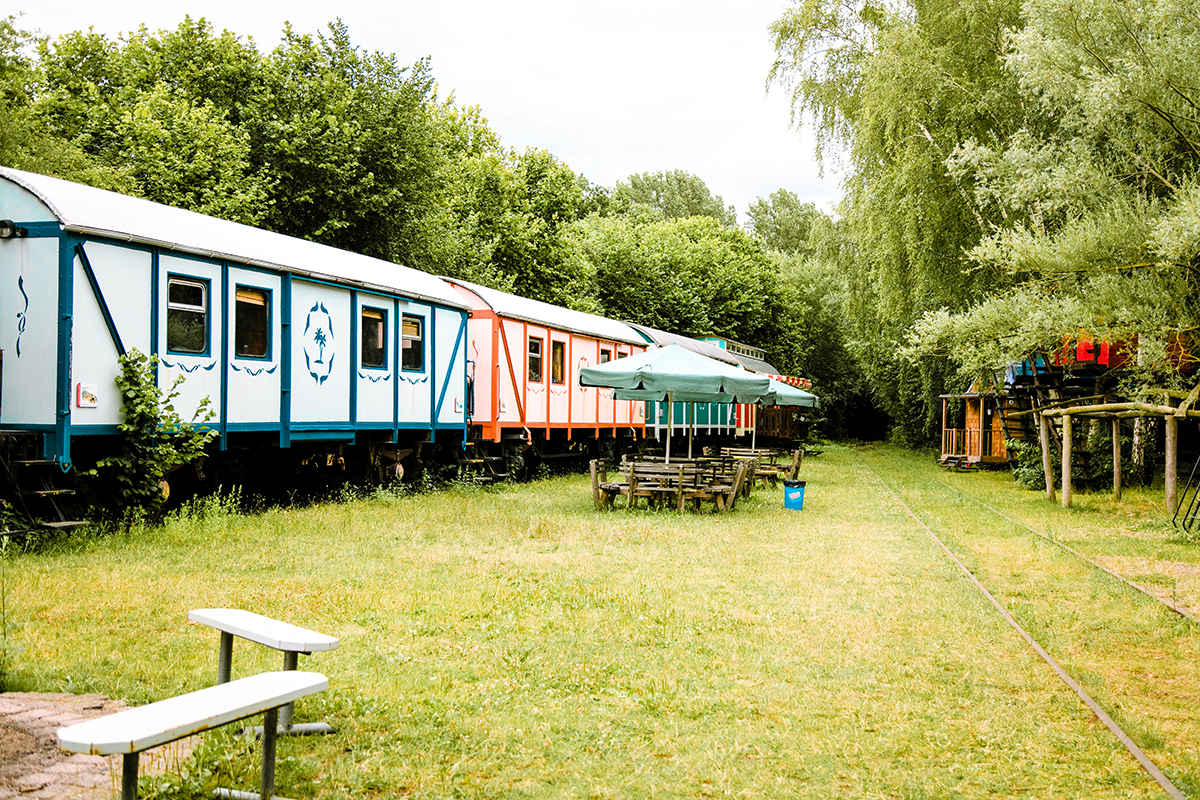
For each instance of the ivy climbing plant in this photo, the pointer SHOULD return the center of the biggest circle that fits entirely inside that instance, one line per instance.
(155, 440)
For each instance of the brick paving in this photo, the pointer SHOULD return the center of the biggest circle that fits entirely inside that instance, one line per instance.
(33, 768)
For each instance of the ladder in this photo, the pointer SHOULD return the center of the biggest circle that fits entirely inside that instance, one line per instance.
(1190, 508)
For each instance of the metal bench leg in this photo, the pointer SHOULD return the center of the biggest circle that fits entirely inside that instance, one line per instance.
(266, 786)
(270, 723)
(129, 775)
(225, 658)
(290, 660)
(286, 713)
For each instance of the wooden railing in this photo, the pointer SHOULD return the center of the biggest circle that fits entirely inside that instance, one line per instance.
(966, 442)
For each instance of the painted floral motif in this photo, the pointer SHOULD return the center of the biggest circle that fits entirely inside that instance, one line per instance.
(21, 314)
(319, 344)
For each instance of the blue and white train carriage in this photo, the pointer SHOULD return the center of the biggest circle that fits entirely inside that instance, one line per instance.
(291, 341)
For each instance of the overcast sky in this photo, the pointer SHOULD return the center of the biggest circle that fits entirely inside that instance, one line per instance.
(610, 88)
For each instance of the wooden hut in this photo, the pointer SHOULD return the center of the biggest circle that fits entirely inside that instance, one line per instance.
(973, 429)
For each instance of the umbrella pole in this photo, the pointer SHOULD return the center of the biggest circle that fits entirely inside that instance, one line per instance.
(670, 410)
(753, 427)
(691, 430)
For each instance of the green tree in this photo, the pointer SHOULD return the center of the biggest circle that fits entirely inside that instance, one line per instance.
(1098, 192)
(136, 119)
(691, 276)
(350, 147)
(510, 215)
(189, 156)
(900, 85)
(675, 195)
(25, 140)
(814, 344)
(782, 222)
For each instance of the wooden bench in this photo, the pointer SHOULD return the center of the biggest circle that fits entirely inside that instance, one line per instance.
(773, 463)
(137, 729)
(292, 640)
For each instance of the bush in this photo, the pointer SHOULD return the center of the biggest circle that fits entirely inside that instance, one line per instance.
(155, 440)
(1028, 471)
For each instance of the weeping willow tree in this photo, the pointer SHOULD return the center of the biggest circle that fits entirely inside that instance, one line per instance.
(1100, 203)
(898, 86)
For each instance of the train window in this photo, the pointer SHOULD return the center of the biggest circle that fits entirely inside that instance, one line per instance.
(412, 330)
(252, 323)
(605, 355)
(187, 315)
(535, 359)
(558, 362)
(374, 337)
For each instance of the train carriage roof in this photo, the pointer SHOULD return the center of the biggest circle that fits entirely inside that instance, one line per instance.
(664, 338)
(755, 364)
(97, 212)
(539, 313)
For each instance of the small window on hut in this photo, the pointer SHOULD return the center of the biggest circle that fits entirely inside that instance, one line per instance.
(558, 362)
(605, 355)
(374, 337)
(535, 359)
(412, 342)
(187, 315)
(251, 323)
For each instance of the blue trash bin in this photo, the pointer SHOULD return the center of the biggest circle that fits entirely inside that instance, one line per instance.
(793, 495)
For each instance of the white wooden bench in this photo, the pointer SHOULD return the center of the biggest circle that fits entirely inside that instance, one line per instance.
(292, 640)
(137, 729)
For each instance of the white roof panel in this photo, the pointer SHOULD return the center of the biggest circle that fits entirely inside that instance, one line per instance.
(84, 209)
(522, 308)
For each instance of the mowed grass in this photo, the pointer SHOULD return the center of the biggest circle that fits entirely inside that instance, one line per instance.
(1134, 656)
(515, 642)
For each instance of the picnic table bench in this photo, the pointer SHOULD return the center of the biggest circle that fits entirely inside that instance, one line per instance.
(681, 483)
(773, 463)
(291, 639)
(137, 729)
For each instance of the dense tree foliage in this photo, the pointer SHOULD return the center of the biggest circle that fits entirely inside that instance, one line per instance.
(25, 141)
(783, 222)
(675, 195)
(322, 140)
(1023, 173)
(691, 276)
(1097, 191)
(900, 85)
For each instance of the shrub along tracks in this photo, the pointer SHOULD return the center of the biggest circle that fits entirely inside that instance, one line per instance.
(1089, 614)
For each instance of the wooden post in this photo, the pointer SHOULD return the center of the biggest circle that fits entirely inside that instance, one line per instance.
(1172, 455)
(1067, 423)
(594, 468)
(944, 431)
(1047, 464)
(1116, 437)
(1142, 434)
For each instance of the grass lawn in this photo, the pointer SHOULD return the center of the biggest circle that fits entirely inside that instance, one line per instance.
(515, 642)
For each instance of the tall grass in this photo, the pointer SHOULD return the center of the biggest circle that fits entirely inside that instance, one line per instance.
(516, 642)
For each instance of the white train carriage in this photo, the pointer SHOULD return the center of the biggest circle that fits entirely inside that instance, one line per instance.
(524, 358)
(290, 341)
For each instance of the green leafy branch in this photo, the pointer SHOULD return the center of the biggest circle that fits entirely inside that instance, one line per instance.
(155, 439)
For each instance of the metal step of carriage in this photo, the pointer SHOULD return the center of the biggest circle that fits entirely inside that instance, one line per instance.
(32, 480)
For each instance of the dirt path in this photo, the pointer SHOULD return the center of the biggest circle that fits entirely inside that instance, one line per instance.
(32, 766)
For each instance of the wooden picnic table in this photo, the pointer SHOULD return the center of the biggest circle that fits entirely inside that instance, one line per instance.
(773, 463)
(681, 483)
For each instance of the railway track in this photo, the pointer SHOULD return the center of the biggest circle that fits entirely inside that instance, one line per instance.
(948, 540)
